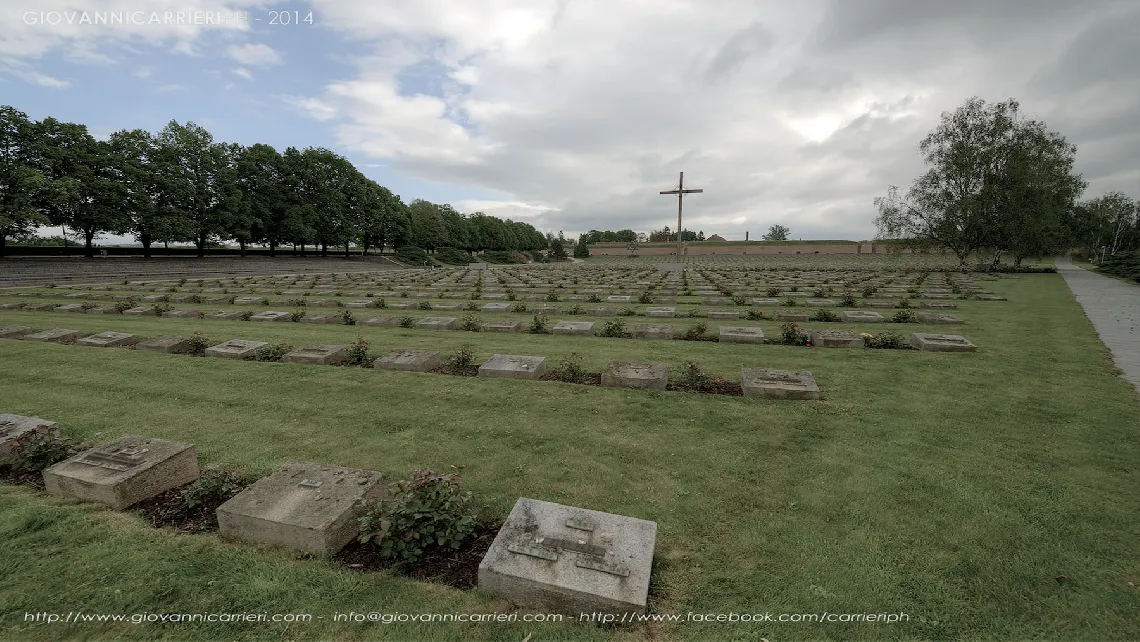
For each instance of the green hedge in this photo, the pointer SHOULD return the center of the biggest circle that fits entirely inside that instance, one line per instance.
(1125, 265)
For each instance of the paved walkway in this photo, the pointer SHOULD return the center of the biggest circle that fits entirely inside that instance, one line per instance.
(1114, 308)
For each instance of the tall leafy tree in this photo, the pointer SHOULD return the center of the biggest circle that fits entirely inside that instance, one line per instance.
(777, 233)
(197, 179)
(21, 180)
(260, 176)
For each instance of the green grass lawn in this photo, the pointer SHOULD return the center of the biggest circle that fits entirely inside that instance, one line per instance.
(985, 495)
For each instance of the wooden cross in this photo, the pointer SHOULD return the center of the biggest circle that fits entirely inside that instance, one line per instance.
(680, 192)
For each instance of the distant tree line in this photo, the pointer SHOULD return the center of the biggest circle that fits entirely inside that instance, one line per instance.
(1003, 183)
(180, 185)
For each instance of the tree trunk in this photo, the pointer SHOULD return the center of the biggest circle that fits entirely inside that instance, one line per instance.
(200, 241)
(996, 262)
(1017, 261)
(273, 249)
(346, 249)
(166, 244)
(3, 244)
(324, 248)
(146, 241)
(88, 248)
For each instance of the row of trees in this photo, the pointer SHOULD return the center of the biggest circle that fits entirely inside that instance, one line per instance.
(1001, 182)
(181, 185)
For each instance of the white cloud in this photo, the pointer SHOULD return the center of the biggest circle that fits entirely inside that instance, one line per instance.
(170, 87)
(254, 55)
(244, 73)
(143, 73)
(312, 107)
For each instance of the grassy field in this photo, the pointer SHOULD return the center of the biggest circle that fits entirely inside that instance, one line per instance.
(985, 495)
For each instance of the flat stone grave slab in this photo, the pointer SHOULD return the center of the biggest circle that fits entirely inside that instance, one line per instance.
(765, 302)
(941, 342)
(512, 366)
(363, 303)
(77, 295)
(124, 472)
(792, 315)
(938, 305)
(476, 266)
(168, 345)
(794, 295)
(272, 315)
(504, 325)
(106, 339)
(154, 298)
(40, 307)
(107, 309)
(643, 376)
(301, 506)
(15, 332)
(938, 319)
(836, 339)
(937, 296)
(249, 300)
(860, 316)
(11, 306)
(577, 328)
(562, 559)
(722, 314)
(322, 318)
(235, 349)
(404, 305)
(714, 300)
(320, 354)
(495, 297)
(495, 307)
(619, 298)
(384, 321)
(778, 384)
(71, 307)
(652, 331)
(603, 312)
(447, 306)
(821, 303)
(438, 323)
(548, 308)
(141, 311)
(55, 335)
(182, 314)
(322, 303)
(409, 360)
(224, 315)
(881, 304)
(16, 430)
(741, 334)
(660, 312)
(989, 297)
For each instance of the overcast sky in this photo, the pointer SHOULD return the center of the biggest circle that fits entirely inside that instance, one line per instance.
(574, 114)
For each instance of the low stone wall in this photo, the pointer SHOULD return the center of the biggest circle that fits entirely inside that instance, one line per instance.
(621, 249)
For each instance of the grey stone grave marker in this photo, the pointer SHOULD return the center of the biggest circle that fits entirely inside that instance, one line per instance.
(55, 335)
(778, 384)
(438, 323)
(741, 334)
(15, 332)
(272, 315)
(562, 559)
(301, 506)
(511, 366)
(836, 339)
(124, 472)
(941, 342)
(106, 339)
(168, 345)
(408, 360)
(860, 316)
(235, 349)
(645, 376)
(577, 328)
(320, 354)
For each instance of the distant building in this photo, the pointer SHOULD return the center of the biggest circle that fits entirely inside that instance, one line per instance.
(716, 237)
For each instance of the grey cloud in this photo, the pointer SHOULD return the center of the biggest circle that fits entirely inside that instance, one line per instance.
(750, 41)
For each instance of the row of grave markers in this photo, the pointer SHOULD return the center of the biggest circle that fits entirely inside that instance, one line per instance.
(547, 556)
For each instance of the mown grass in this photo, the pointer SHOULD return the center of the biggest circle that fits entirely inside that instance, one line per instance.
(986, 495)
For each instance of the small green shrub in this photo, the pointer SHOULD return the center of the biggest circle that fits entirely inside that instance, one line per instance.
(825, 315)
(213, 486)
(462, 362)
(594, 298)
(847, 300)
(245, 316)
(613, 328)
(626, 312)
(359, 354)
(196, 345)
(470, 323)
(297, 315)
(123, 306)
(471, 307)
(889, 340)
(404, 294)
(739, 301)
(646, 297)
(406, 322)
(569, 369)
(576, 310)
(428, 512)
(904, 316)
(695, 332)
(754, 315)
(869, 291)
(904, 303)
(159, 308)
(379, 302)
(424, 305)
(33, 452)
(518, 307)
(552, 297)
(272, 352)
(791, 302)
(540, 324)
(693, 378)
(772, 292)
(793, 336)
(346, 318)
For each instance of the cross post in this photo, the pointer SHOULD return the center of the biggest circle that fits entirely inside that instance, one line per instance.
(680, 192)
